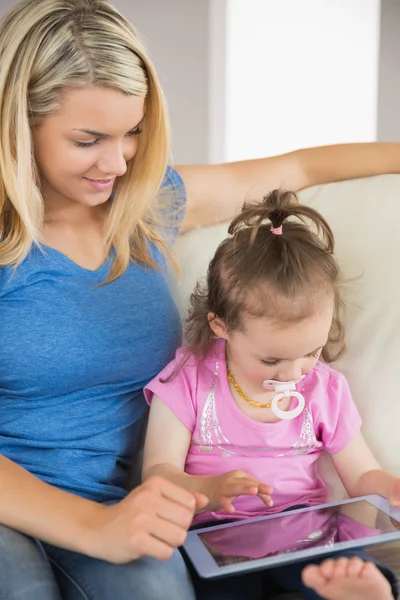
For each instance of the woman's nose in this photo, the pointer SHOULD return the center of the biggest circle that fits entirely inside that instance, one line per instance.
(113, 163)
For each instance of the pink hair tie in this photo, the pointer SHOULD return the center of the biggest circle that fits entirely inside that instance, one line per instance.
(276, 230)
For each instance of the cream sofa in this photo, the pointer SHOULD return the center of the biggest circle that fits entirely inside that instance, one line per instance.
(365, 217)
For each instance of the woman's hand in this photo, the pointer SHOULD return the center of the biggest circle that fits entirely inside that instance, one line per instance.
(151, 521)
(222, 489)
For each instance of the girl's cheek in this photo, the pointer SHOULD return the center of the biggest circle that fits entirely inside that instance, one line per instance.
(310, 365)
(265, 373)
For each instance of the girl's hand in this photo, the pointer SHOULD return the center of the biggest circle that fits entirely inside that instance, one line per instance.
(222, 489)
(393, 496)
(151, 521)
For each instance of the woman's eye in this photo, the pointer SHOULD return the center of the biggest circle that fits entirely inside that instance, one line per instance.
(86, 144)
(136, 131)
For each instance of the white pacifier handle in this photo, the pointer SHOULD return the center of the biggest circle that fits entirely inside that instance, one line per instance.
(285, 389)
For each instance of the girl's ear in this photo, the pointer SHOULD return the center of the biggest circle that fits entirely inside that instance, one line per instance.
(217, 325)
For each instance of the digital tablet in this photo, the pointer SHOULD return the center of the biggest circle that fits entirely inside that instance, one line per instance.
(290, 536)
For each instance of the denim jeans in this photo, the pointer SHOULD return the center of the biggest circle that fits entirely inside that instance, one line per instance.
(30, 570)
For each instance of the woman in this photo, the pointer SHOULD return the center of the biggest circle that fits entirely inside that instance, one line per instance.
(87, 314)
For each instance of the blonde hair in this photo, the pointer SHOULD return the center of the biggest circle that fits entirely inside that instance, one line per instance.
(49, 45)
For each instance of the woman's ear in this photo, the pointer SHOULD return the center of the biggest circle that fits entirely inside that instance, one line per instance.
(217, 325)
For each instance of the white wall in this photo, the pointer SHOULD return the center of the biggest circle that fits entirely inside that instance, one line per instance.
(300, 73)
(176, 34)
(389, 73)
(6, 5)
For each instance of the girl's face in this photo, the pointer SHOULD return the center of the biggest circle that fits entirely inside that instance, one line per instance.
(85, 146)
(265, 349)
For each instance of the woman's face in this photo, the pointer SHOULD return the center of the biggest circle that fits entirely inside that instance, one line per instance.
(85, 146)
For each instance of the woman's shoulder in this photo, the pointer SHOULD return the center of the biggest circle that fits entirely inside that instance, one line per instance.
(170, 205)
(14, 277)
(173, 192)
(172, 178)
(6, 274)
(36, 268)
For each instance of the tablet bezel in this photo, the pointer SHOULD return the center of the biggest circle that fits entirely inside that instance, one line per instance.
(206, 566)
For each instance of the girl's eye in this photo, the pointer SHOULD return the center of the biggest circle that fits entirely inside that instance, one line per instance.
(271, 363)
(314, 354)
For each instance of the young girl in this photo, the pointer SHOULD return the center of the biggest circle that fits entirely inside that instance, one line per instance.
(243, 413)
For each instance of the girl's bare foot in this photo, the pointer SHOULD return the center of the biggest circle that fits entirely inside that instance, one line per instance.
(347, 579)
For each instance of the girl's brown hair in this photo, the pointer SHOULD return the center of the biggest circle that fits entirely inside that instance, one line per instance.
(256, 273)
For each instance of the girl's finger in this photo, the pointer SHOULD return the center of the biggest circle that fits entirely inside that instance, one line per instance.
(266, 499)
(251, 481)
(264, 488)
(227, 505)
(239, 489)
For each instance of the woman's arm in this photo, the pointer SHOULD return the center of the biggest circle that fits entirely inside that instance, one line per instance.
(361, 474)
(217, 192)
(151, 521)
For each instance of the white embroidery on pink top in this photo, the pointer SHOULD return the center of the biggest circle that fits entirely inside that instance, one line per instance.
(210, 431)
(307, 436)
(209, 438)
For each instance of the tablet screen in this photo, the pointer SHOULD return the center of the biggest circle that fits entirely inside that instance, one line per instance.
(290, 532)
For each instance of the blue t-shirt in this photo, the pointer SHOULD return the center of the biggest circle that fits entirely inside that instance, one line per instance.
(74, 358)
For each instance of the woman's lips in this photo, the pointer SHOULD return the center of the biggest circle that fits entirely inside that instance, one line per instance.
(100, 184)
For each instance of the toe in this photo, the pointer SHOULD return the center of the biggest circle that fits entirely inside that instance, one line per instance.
(374, 579)
(327, 568)
(340, 567)
(355, 567)
(313, 577)
(370, 571)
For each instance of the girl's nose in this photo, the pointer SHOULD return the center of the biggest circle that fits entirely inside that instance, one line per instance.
(291, 372)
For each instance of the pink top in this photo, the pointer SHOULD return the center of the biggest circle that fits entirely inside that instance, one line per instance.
(282, 454)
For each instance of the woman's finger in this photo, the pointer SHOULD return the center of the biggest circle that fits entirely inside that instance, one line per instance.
(201, 500)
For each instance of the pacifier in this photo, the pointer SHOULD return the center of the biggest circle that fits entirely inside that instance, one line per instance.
(285, 389)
